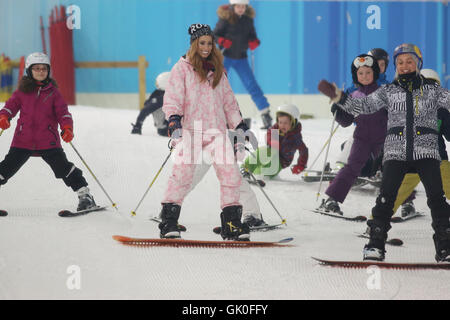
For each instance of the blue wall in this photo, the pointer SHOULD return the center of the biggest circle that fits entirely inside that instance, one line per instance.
(301, 42)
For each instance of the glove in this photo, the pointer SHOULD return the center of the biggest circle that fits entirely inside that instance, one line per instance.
(67, 133)
(244, 133)
(224, 42)
(330, 90)
(253, 44)
(238, 146)
(175, 126)
(4, 122)
(297, 169)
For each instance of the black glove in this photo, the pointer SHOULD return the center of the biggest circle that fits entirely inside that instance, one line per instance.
(243, 133)
(175, 126)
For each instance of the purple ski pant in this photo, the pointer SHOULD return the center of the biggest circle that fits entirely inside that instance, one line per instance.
(359, 154)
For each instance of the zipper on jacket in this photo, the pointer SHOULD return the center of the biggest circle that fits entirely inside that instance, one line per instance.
(409, 123)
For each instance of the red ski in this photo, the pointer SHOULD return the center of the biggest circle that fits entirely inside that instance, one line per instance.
(385, 265)
(199, 243)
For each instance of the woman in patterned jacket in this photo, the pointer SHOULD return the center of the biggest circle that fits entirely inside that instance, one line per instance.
(411, 144)
(199, 100)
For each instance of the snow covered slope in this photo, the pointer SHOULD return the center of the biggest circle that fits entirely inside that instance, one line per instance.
(44, 256)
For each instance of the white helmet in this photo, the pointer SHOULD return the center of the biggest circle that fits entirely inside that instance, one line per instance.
(431, 74)
(239, 2)
(37, 58)
(289, 109)
(161, 80)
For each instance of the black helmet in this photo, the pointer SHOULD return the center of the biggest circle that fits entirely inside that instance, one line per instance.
(368, 61)
(380, 54)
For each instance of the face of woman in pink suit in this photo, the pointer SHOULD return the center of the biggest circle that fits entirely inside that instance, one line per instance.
(205, 45)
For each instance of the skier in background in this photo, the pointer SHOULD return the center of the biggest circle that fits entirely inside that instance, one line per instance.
(382, 58)
(284, 138)
(41, 108)
(235, 33)
(153, 106)
(199, 100)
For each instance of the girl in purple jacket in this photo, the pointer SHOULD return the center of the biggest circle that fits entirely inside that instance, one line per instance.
(41, 108)
(369, 134)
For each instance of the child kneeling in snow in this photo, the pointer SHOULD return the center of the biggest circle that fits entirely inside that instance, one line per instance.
(284, 138)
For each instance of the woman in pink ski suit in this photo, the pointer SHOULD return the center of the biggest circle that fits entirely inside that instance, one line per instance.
(199, 100)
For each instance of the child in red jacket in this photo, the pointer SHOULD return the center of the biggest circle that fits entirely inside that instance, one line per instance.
(41, 108)
(283, 140)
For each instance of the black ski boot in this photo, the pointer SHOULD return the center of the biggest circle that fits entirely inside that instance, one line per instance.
(248, 122)
(408, 209)
(331, 205)
(170, 213)
(85, 199)
(251, 221)
(442, 244)
(266, 119)
(374, 250)
(137, 128)
(232, 228)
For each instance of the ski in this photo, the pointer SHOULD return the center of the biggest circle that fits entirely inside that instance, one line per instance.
(3, 213)
(374, 182)
(359, 182)
(268, 227)
(330, 214)
(316, 178)
(199, 243)
(393, 241)
(398, 219)
(386, 265)
(181, 227)
(69, 214)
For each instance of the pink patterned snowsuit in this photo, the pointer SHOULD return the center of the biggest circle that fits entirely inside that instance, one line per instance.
(207, 113)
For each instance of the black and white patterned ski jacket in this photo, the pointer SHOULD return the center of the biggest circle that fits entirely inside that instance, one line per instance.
(412, 106)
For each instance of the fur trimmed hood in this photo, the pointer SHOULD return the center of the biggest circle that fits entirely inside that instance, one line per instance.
(225, 12)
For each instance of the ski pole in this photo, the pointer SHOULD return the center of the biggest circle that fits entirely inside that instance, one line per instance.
(133, 213)
(283, 221)
(93, 175)
(253, 62)
(326, 155)
(323, 148)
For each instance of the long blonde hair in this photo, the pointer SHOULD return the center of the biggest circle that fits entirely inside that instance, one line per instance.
(215, 58)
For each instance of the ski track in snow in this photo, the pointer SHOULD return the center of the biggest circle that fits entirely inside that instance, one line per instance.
(38, 248)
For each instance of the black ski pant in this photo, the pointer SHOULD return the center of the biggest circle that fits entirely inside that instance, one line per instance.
(55, 158)
(430, 175)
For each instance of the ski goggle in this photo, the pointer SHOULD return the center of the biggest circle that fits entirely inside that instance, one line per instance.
(363, 62)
